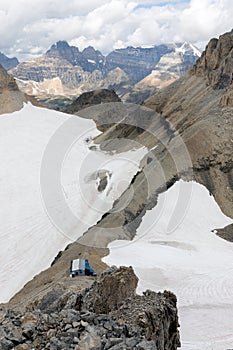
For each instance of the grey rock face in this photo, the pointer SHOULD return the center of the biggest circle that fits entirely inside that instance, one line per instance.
(216, 62)
(89, 59)
(137, 62)
(8, 63)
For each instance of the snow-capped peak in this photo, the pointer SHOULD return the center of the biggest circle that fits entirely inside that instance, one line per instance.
(188, 48)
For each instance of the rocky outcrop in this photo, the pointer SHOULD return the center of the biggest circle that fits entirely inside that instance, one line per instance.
(216, 66)
(112, 288)
(225, 233)
(11, 99)
(7, 82)
(92, 98)
(8, 63)
(108, 315)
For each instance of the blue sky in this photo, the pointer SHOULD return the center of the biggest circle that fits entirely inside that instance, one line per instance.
(163, 3)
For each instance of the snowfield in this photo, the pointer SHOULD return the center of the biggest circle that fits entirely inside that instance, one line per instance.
(38, 221)
(191, 261)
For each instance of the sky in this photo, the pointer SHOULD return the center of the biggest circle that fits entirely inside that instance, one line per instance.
(30, 27)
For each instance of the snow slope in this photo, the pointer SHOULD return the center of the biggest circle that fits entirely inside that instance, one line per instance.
(191, 261)
(34, 226)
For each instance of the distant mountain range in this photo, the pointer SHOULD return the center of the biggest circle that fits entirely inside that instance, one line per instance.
(135, 73)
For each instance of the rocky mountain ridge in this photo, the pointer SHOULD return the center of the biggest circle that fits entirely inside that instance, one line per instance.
(88, 70)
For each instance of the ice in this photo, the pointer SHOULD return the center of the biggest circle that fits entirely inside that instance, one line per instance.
(34, 225)
(191, 261)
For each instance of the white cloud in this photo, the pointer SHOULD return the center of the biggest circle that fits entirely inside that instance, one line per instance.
(29, 29)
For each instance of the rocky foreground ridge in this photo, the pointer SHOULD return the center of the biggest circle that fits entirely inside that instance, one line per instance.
(107, 315)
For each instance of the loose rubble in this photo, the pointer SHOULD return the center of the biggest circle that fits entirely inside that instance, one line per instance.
(93, 319)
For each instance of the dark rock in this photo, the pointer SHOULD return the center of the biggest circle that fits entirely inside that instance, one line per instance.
(225, 233)
(89, 59)
(92, 98)
(146, 345)
(6, 344)
(55, 344)
(50, 302)
(68, 326)
(28, 332)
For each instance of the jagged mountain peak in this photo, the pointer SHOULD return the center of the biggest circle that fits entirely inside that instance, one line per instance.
(8, 63)
(91, 53)
(188, 49)
(90, 49)
(62, 48)
(61, 44)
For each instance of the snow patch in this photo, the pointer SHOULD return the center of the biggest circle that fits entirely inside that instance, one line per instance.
(187, 48)
(91, 61)
(192, 262)
(29, 238)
